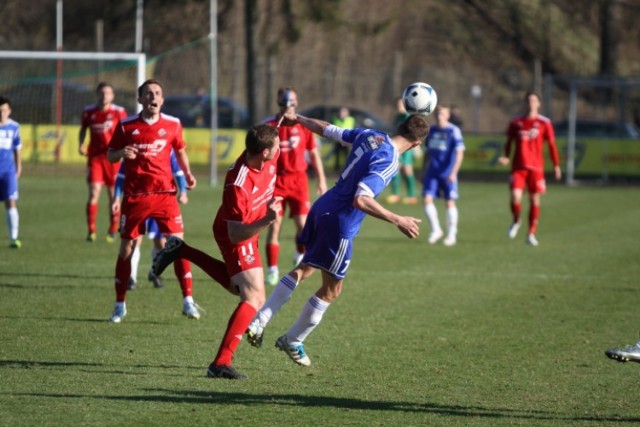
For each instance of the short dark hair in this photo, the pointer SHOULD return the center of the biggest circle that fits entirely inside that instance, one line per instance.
(414, 128)
(531, 92)
(5, 100)
(102, 85)
(147, 83)
(260, 137)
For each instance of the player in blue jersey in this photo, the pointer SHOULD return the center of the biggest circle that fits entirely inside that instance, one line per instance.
(10, 168)
(334, 221)
(444, 151)
(153, 232)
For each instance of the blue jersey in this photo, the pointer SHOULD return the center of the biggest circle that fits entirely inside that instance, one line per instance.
(372, 162)
(442, 145)
(9, 142)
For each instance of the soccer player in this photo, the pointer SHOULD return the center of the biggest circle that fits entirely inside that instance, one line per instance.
(406, 166)
(444, 151)
(625, 354)
(101, 119)
(151, 225)
(145, 142)
(10, 168)
(334, 222)
(292, 183)
(528, 133)
(248, 207)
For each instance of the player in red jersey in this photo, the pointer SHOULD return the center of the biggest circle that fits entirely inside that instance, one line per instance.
(292, 183)
(145, 142)
(248, 207)
(528, 132)
(101, 120)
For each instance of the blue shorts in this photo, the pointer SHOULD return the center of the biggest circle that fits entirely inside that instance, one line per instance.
(153, 231)
(436, 186)
(326, 249)
(8, 186)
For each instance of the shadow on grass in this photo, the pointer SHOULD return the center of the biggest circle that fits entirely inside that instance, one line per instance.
(52, 276)
(29, 364)
(298, 400)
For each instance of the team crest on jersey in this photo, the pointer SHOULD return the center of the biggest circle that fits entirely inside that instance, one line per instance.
(272, 170)
(162, 132)
(375, 141)
(249, 259)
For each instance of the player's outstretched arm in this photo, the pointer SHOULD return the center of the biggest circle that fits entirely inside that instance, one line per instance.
(409, 226)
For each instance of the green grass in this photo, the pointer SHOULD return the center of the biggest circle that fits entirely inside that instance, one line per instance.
(488, 333)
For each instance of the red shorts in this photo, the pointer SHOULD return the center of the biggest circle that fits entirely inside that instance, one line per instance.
(101, 171)
(163, 207)
(240, 257)
(534, 180)
(294, 190)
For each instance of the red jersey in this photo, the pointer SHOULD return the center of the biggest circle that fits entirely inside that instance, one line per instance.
(294, 142)
(101, 124)
(245, 196)
(150, 171)
(529, 136)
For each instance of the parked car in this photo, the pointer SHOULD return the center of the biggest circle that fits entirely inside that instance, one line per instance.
(363, 118)
(195, 111)
(595, 128)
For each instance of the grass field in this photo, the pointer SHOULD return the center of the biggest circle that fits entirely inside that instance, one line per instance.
(490, 332)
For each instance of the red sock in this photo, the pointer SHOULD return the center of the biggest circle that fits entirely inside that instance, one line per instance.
(114, 222)
(238, 323)
(92, 213)
(214, 268)
(534, 214)
(182, 268)
(273, 252)
(515, 211)
(123, 272)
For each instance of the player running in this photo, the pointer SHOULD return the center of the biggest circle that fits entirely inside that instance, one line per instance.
(101, 119)
(145, 142)
(10, 169)
(151, 225)
(292, 183)
(528, 132)
(248, 207)
(334, 221)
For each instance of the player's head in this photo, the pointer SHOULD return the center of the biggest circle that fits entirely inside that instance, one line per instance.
(414, 129)
(150, 96)
(5, 109)
(532, 101)
(442, 114)
(287, 97)
(105, 93)
(262, 139)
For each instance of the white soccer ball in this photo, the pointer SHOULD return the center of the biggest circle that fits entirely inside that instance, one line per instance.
(420, 98)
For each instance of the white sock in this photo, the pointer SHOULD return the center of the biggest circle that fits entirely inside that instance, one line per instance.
(188, 299)
(135, 260)
(280, 295)
(273, 270)
(432, 216)
(309, 318)
(452, 220)
(12, 221)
